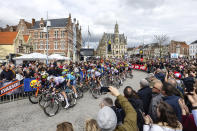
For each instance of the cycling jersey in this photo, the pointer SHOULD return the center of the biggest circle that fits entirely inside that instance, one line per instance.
(70, 77)
(58, 80)
(97, 73)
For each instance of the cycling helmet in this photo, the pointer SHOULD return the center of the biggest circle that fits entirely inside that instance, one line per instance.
(64, 72)
(50, 77)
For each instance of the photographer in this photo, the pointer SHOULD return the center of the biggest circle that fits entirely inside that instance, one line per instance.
(130, 120)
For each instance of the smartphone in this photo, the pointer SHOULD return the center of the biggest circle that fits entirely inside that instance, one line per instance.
(105, 89)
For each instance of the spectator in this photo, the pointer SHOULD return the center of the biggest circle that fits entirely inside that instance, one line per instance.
(187, 118)
(156, 99)
(130, 120)
(65, 126)
(137, 103)
(159, 75)
(107, 119)
(7, 74)
(178, 91)
(171, 99)
(119, 112)
(91, 125)
(192, 96)
(145, 93)
(167, 120)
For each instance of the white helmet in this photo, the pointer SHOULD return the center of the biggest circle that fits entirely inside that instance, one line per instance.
(50, 77)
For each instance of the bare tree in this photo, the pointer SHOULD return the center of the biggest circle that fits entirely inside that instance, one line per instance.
(161, 40)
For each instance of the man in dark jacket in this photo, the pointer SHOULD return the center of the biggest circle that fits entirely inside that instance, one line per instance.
(145, 94)
(7, 74)
(171, 99)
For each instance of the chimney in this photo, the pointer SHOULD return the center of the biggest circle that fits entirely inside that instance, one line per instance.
(33, 22)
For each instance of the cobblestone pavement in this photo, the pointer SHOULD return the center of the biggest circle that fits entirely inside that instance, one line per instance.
(24, 116)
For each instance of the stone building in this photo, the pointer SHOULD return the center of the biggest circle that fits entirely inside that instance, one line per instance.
(14, 43)
(179, 47)
(112, 45)
(60, 35)
(193, 49)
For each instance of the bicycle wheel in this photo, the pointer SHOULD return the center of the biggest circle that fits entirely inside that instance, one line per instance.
(95, 92)
(42, 100)
(85, 88)
(71, 99)
(51, 107)
(79, 92)
(33, 98)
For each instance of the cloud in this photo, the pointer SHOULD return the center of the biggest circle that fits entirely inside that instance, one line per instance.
(139, 20)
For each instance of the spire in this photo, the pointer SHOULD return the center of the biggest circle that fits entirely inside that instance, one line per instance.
(116, 30)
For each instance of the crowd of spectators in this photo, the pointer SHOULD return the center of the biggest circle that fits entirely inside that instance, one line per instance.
(166, 101)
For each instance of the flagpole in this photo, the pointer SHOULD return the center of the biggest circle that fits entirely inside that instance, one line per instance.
(88, 36)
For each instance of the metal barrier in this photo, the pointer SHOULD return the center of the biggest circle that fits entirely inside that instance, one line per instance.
(14, 90)
(14, 97)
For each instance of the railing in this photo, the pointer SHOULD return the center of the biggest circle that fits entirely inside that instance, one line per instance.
(14, 90)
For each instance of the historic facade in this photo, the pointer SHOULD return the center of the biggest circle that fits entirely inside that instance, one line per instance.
(60, 36)
(179, 47)
(112, 45)
(14, 43)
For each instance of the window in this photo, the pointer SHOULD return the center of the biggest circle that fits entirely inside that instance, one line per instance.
(41, 34)
(62, 34)
(56, 34)
(36, 46)
(20, 42)
(35, 34)
(55, 45)
(47, 34)
(62, 45)
(41, 45)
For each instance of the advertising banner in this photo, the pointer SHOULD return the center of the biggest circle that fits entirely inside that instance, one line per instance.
(139, 67)
(11, 87)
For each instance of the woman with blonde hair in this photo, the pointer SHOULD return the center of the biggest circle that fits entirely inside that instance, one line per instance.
(91, 125)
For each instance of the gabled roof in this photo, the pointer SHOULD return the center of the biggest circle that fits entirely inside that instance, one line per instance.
(54, 23)
(195, 42)
(7, 38)
(26, 37)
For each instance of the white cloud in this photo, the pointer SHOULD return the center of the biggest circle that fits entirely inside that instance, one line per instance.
(138, 19)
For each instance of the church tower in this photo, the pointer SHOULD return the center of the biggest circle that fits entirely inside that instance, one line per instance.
(116, 33)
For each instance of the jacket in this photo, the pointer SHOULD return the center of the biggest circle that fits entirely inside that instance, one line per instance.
(130, 120)
(145, 95)
(173, 101)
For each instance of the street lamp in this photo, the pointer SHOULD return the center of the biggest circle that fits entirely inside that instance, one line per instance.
(48, 24)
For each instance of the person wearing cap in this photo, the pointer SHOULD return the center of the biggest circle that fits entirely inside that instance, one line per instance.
(156, 99)
(107, 119)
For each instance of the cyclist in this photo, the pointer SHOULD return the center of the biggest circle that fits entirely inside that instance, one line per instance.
(59, 82)
(71, 80)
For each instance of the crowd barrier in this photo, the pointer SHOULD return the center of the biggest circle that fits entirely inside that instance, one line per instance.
(15, 90)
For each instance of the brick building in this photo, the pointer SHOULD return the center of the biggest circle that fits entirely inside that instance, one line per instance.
(60, 35)
(179, 47)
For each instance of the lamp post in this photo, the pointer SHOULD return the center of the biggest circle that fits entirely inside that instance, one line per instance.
(74, 41)
(48, 24)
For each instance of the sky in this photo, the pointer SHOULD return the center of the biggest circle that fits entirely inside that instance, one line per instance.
(139, 20)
